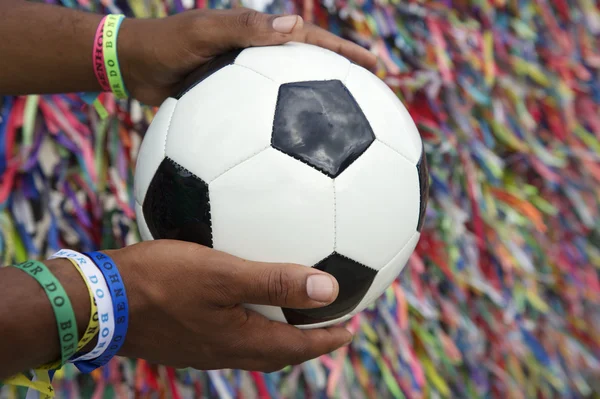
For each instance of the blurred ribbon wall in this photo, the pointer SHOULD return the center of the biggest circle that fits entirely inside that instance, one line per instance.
(502, 298)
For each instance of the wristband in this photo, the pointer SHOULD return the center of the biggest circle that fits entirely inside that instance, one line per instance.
(63, 311)
(92, 327)
(44, 377)
(103, 302)
(41, 385)
(98, 58)
(109, 50)
(120, 305)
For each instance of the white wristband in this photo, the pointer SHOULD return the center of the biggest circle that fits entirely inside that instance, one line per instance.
(104, 303)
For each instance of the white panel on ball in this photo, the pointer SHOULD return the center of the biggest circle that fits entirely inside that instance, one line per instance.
(386, 276)
(377, 206)
(141, 222)
(388, 117)
(152, 149)
(294, 62)
(222, 121)
(273, 208)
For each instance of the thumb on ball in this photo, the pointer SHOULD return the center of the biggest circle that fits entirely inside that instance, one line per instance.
(287, 23)
(285, 285)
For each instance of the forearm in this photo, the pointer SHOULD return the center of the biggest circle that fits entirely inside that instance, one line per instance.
(46, 49)
(28, 333)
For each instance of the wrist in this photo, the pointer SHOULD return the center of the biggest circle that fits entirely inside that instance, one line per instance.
(131, 51)
(58, 43)
(25, 304)
(128, 264)
(76, 290)
(28, 305)
(109, 308)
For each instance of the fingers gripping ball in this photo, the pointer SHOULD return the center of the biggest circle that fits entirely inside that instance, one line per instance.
(289, 154)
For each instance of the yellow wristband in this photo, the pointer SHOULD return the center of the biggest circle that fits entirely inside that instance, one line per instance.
(92, 328)
(42, 384)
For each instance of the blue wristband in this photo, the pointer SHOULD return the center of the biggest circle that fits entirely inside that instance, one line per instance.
(120, 311)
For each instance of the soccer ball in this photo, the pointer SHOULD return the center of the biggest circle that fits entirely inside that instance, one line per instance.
(288, 154)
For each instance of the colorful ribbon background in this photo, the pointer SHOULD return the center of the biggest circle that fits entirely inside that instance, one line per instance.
(502, 297)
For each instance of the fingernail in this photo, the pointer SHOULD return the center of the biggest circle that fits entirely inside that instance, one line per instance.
(319, 287)
(285, 24)
(351, 337)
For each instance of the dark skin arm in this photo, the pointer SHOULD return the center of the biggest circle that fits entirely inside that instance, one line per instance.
(47, 49)
(182, 293)
(50, 47)
(24, 303)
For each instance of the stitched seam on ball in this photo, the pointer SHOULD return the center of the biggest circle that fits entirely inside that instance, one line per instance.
(239, 163)
(357, 310)
(334, 219)
(169, 129)
(397, 152)
(401, 249)
(258, 73)
(297, 158)
(353, 260)
(136, 219)
(212, 239)
(347, 74)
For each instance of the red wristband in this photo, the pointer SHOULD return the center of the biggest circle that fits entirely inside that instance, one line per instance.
(98, 57)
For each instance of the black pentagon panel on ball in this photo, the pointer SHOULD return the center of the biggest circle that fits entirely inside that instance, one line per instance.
(423, 188)
(354, 280)
(205, 70)
(320, 124)
(177, 205)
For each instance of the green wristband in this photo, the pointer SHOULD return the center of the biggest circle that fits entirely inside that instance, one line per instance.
(109, 50)
(63, 311)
